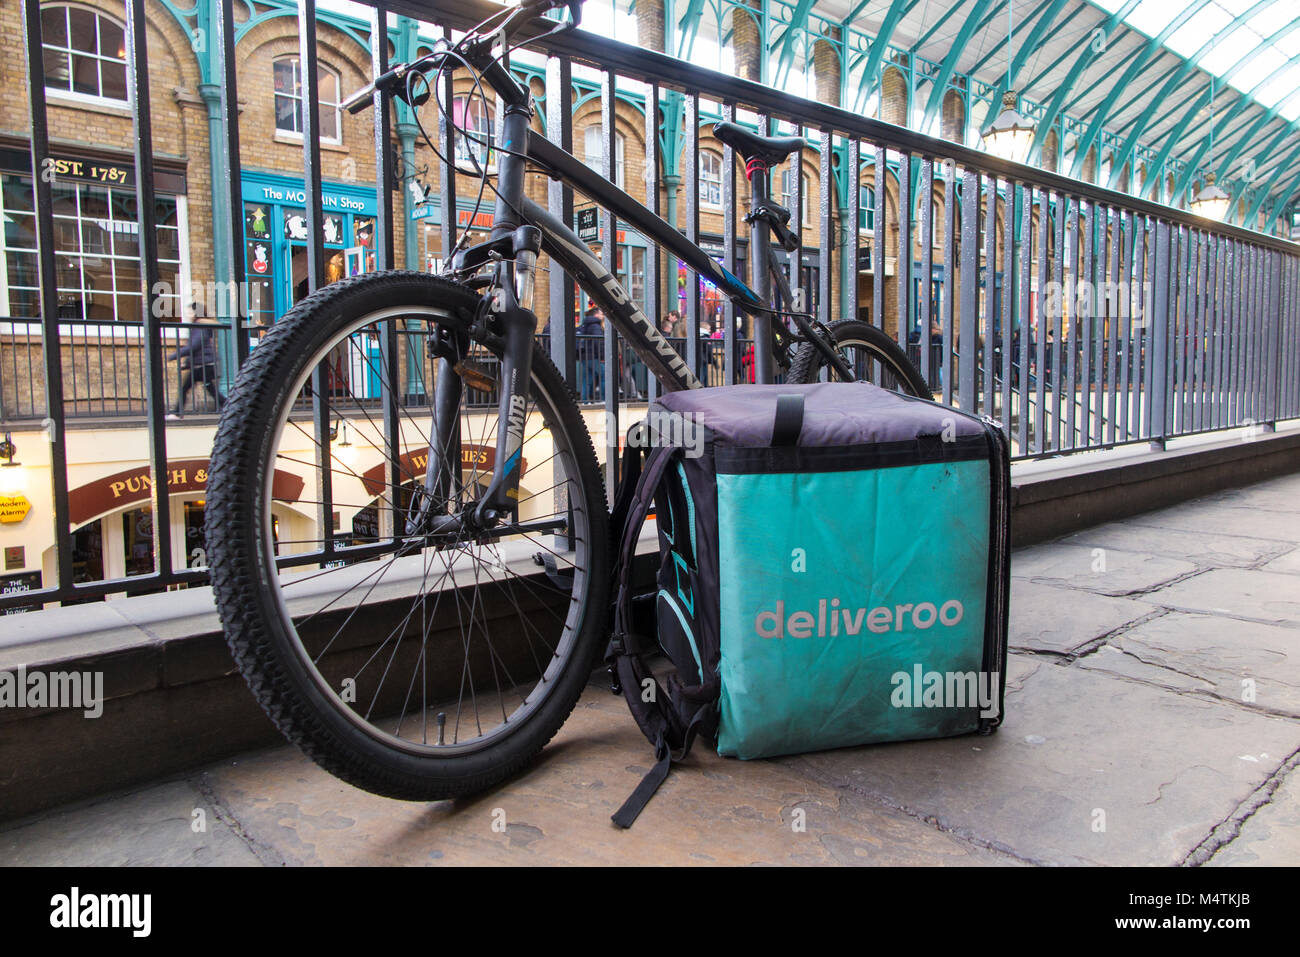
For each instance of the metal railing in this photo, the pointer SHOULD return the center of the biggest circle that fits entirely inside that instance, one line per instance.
(1182, 326)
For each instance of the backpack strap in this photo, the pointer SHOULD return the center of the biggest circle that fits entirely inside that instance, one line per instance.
(670, 732)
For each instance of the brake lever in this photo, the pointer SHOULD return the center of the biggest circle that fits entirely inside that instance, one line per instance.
(575, 18)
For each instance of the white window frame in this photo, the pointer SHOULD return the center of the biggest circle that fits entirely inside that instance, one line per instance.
(591, 153)
(170, 271)
(73, 96)
(464, 158)
(713, 158)
(867, 223)
(299, 99)
(804, 183)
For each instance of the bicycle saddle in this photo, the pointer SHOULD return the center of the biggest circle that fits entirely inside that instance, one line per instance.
(767, 150)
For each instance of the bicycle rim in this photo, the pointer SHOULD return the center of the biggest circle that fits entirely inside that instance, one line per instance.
(442, 649)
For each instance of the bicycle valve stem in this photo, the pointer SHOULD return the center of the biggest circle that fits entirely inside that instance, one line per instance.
(442, 727)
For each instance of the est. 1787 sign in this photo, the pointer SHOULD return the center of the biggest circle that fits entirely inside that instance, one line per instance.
(14, 508)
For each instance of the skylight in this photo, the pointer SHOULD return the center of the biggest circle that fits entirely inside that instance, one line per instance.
(1258, 54)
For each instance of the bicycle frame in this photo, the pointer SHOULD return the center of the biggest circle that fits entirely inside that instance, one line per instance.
(513, 211)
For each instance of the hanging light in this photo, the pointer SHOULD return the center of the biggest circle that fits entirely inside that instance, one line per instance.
(1211, 201)
(1010, 134)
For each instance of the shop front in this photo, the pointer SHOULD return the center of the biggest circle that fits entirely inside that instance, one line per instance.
(276, 238)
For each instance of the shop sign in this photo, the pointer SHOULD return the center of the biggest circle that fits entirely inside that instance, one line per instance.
(105, 172)
(411, 466)
(588, 225)
(133, 486)
(14, 508)
(17, 585)
(475, 221)
(328, 200)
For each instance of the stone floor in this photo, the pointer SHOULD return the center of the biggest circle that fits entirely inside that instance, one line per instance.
(1153, 718)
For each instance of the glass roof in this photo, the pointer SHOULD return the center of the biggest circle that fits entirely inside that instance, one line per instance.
(1253, 46)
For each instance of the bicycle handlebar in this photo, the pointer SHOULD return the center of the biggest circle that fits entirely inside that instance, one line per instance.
(394, 81)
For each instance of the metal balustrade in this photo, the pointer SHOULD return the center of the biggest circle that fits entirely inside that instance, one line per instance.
(1078, 317)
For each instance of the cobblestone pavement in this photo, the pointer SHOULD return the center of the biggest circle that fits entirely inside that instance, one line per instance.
(1153, 718)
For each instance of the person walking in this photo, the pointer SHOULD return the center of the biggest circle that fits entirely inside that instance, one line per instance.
(198, 362)
(591, 355)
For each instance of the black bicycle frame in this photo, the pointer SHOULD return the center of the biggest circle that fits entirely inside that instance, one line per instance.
(513, 210)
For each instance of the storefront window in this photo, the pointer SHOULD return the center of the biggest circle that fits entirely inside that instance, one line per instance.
(196, 555)
(277, 240)
(85, 53)
(260, 264)
(97, 241)
(137, 540)
(88, 553)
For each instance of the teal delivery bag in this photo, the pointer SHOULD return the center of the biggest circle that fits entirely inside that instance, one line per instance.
(833, 571)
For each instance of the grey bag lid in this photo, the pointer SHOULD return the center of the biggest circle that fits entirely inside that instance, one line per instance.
(834, 414)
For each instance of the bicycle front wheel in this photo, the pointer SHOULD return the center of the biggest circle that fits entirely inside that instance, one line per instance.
(871, 354)
(416, 666)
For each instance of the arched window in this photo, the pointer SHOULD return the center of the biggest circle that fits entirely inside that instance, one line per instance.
(288, 99)
(591, 150)
(85, 53)
(710, 179)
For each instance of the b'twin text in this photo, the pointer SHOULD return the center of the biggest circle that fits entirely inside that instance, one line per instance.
(77, 910)
(829, 620)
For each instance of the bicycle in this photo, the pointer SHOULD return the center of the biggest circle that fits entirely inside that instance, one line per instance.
(436, 647)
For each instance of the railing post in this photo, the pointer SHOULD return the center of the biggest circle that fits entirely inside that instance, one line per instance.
(49, 291)
(1273, 336)
(1158, 399)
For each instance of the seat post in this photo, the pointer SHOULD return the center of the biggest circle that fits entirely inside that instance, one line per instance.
(760, 258)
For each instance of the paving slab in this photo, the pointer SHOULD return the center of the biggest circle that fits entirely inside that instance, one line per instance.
(710, 811)
(1249, 664)
(1200, 547)
(1270, 837)
(153, 827)
(1277, 495)
(1287, 563)
(1078, 750)
(1097, 568)
(1237, 593)
(1063, 620)
(1222, 519)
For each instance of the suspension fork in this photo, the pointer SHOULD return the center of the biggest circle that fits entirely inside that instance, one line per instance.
(519, 326)
(449, 349)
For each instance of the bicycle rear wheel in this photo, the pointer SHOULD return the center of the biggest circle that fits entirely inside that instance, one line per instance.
(416, 666)
(871, 354)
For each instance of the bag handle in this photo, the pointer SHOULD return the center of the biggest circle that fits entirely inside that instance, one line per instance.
(788, 421)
